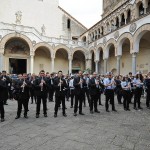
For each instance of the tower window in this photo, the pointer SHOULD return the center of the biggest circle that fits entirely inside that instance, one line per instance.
(68, 23)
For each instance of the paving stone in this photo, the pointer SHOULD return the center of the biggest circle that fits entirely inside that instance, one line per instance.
(105, 131)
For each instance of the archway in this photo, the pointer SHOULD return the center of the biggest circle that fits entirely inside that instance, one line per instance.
(78, 62)
(101, 62)
(111, 59)
(143, 56)
(42, 60)
(126, 59)
(61, 61)
(17, 55)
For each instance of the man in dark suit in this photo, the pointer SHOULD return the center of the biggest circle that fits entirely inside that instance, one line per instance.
(79, 83)
(50, 87)
(94, 84)
(8, 83)
(60, 86)
(41, 88)
(3, 87)
(22, 87)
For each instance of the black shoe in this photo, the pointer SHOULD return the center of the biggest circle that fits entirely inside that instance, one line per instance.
(135, 108)
(45, 115)
(37, 116)
(71, 106)
(17, 117)
(114, 110)
(128, 109)
(5, 104)
(81, 113)
(75, 114)
(125, 109)
(65, 115)
(140, 108)
(25, 116)
(148, 107)
(55, 115)
(107, 111)
(97, 111)
(91, 111)
(2, 119)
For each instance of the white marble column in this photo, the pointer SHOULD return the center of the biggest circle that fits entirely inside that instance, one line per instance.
(134, 63)
(105, 65)
(1, 61)
(32, 64)
(96, 66)
(118, 64)
(52, 62)
(70, 66)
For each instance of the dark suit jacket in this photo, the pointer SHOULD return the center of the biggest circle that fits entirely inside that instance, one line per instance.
(50, 86)
(94, 90)
(19, 89)
(57, 87)
(37, 86)
(3, 90)
(78, 90)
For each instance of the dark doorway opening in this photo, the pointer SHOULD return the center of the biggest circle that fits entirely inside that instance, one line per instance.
(17, 66)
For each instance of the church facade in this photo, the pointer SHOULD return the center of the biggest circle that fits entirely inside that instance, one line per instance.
(43, 35)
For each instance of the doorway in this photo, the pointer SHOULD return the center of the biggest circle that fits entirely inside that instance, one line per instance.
(17, 66)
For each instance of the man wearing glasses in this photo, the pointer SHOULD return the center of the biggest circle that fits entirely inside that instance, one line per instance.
(41, 88)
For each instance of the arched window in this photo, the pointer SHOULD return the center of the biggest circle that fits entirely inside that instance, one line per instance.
(117, 22)
(102, 30)
(68, 23)
(128, 16)
(148, 8)
(141, 9)
(122, 20)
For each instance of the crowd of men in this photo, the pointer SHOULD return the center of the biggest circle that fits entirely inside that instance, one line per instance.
(79, 88)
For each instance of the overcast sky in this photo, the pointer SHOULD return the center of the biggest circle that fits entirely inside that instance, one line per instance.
(88, 12)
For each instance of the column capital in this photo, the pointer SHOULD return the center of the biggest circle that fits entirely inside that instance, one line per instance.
(70, 57)
(134, 54)
(119, 56)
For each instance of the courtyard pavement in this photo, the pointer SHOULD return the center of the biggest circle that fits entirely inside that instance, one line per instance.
(122, 130)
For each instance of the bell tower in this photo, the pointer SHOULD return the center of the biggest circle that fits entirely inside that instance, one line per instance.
(110, 5)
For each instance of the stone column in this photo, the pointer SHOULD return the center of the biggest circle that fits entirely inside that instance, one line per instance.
(134, 63)
(96, 66)
(70, 66)
(145, 9)
(1, 61)
(118, 64)
(105, 65)
(32, 64)
(52, 62)
(88, 64)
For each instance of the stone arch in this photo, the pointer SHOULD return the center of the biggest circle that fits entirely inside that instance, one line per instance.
(90, 52)
(79, 49)
(15, 35)
(42, 44)
(138, 35)
(120, 41)
(107, 47)
(62, 47)
(98, 49)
